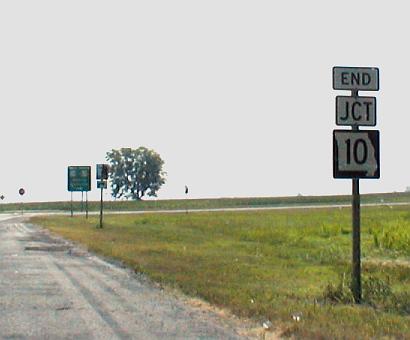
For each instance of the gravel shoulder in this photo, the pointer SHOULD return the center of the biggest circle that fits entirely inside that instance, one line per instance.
(51, 288)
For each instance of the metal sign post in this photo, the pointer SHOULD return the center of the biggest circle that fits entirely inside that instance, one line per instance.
(186, 202)
(356, 152)
(102, 184)
(356, 256)
(21, 192)
(102, 177)
(101, 208)
(356, 261)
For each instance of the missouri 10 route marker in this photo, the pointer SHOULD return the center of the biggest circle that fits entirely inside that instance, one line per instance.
(356, 152)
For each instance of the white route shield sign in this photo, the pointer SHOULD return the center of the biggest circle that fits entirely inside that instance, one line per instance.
(356, 154)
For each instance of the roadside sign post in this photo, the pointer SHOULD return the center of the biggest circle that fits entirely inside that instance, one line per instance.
(101, 207)
(102, 177)
(79, 179)
(356, 152)
(82, 201)
(186, 193)
(21, 192)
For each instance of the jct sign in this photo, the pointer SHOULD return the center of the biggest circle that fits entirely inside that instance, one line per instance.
(355, 111)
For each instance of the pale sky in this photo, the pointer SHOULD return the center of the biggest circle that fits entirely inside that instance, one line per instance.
(236, 96)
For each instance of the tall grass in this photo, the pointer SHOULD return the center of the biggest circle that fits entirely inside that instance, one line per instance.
(265, 264)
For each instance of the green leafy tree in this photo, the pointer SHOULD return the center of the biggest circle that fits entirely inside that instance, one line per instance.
(135, 173)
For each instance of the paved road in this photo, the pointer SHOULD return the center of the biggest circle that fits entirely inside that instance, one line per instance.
(50, 289)
(178, 211)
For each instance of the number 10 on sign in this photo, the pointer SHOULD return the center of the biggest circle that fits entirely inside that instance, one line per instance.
(356, 154)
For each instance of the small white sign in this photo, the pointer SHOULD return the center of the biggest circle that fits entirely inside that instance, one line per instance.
(355, 111)
(356, 78)
(102, 184)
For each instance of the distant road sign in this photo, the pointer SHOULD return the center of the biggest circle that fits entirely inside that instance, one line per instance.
(352, 111)
(2, 197)
(356, 154)
(79, 178)
(21, 191)
(102, 171)
(356, 78)
(101, 184)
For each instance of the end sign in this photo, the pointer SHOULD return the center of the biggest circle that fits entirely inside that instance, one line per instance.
(356, 78)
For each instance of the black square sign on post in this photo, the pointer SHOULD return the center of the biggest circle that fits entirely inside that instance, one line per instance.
(356, 154)
(102, 171)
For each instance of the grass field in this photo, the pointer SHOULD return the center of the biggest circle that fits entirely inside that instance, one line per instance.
(269, 264)
(191, 204)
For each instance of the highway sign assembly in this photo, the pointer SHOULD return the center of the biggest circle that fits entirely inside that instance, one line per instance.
(355, 151)
(22, 192)
(102, 177)
(79, 178)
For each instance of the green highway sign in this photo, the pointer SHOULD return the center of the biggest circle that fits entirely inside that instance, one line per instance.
(79, 178)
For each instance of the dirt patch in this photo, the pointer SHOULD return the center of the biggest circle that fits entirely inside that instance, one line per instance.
(245, 327)
(389, 262)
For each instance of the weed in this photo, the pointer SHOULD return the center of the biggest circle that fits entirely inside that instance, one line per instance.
(393, 236)
(376, 292)
(339, 293)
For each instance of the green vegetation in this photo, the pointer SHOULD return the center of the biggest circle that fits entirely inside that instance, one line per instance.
(135, 173)
(217, 203)
(269, 264)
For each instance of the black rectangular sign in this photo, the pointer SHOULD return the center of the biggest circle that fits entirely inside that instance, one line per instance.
(102, 171)
(356, 154)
